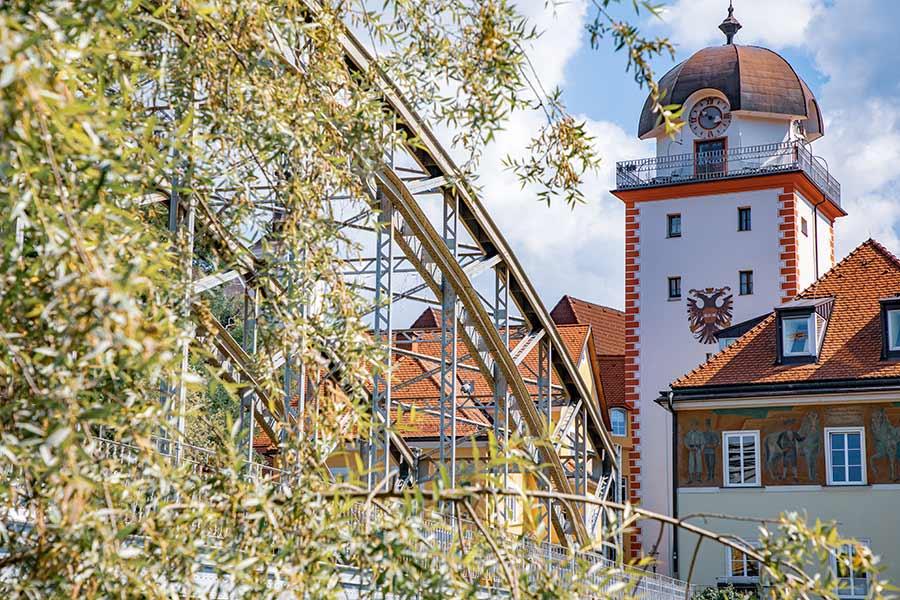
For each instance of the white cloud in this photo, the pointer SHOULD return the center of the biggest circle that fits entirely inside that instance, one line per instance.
(772, 23)
(854, 46)
(576, 251)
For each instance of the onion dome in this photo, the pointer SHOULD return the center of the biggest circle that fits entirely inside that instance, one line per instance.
(753, 79)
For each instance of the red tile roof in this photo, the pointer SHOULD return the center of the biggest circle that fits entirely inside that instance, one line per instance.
(415, 385)
(852, 345)
(607, 324)
(429, 319)
(612, 377)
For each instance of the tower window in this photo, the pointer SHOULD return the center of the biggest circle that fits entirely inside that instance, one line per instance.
(674, 288)
(744, 218)
(617, 420)
(673, 226)
(804, 228)
(746, 280)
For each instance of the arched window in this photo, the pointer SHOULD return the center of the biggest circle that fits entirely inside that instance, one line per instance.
(617, 417)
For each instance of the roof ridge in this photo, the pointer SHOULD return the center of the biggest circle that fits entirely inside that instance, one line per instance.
(887, 253)
(810, 289)
(594, 304)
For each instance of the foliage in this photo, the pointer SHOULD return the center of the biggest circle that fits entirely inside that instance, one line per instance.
(247, 119)
(721, 593)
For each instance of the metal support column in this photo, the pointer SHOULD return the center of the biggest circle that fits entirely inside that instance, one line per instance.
(501, 390)
(382, 331)
(545, 401)
(449, 342)
(248, 341)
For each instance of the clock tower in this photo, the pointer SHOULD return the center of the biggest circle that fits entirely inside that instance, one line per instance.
(733, 216)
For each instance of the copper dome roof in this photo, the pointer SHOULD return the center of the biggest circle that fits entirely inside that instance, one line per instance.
(752, 78)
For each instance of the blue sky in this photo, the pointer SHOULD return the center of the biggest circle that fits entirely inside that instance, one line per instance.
(846, 50)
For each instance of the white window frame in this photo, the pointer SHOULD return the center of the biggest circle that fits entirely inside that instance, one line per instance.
(676, 278)
(669, 220)
(749, 213)
(862, 457)
(624, 414)
(834, 569)
(890, 330)
(758, 474)
(813, 341)
(729, 574)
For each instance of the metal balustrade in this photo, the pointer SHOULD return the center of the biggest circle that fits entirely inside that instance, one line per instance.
(732, 163)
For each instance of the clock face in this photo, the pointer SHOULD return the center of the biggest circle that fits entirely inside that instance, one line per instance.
(710, 117)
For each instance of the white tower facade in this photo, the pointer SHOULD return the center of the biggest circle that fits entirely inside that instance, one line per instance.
(733, 216)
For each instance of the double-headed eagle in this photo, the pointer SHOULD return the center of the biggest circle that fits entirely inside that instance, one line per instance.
(710, 316)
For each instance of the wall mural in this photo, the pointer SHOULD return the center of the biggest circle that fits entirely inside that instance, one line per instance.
(886, 439)
(787, 445)
(709, 316)
(792, 442)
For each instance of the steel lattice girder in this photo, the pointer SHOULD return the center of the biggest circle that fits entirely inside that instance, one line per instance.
(436, 163)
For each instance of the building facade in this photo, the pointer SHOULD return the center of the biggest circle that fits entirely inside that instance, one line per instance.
(735, 214)
(801, 413)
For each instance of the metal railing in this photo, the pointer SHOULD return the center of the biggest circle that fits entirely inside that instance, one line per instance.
(732, 163)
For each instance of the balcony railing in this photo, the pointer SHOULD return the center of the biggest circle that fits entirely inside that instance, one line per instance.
(728, 164)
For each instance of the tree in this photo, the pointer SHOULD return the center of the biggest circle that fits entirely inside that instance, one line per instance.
(245, 118)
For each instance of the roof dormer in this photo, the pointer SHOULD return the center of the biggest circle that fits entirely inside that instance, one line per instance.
(801, 329)
(890, 327)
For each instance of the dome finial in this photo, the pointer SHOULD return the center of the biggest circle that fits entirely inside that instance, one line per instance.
(730, 25)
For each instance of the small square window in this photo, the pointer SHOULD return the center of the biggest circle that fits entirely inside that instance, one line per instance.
(746, 281)
(673, 226)
(617, 418)
(845, 455)
(741, 454)
(795, 336)
(674, 288)
(741, 565)
(744, 223)
(852, 583)
(804, 228)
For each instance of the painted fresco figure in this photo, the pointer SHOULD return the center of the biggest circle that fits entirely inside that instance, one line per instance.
(810, 443)
(693, 441)
(710, 450)
(886, 439)
(785, 446)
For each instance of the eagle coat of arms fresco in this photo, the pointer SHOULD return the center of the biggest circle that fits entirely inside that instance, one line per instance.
(709, 310)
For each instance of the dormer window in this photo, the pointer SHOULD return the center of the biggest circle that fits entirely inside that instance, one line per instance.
(801, 329)
(797, 334)
(890, 326)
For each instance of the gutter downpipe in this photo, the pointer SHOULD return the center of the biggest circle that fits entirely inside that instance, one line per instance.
(670, 398)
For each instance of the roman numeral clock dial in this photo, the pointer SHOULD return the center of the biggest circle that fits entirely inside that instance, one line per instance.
(710, 117)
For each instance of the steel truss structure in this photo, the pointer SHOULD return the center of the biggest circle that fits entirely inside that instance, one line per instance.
(426, 222)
